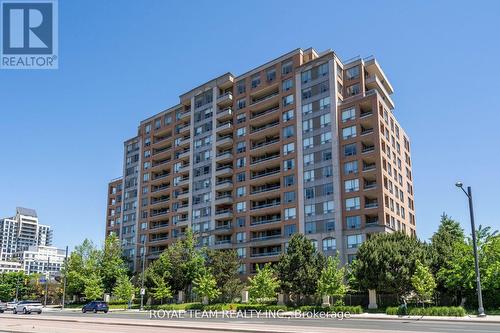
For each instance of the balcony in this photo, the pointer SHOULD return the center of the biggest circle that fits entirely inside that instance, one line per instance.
(161, 212)
(265, 143)
(260, 220)
(370, 185)
(155, 189)
(265, 157)
(224, 199)
(369, 166)
(258, 253)
(223, 214)
(224, 156)
(224, 185)
(264, 112)
(155, 226)
(183, 154)
(366, 131)
(264, 173)
(184, 115)
(160, 175)
(224, 171)
(225, 99)
(182, 194)
(365, 113)
(367, 148)
(223, 127)
(256, 129)
(224, 114)
(225, 140)
(258, 98)
(155, 201)
(371, 203)
(265, 204)
(265, 188)
(183, 129)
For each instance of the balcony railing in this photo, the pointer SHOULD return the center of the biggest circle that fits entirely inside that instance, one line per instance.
(258, 222)
(265, 173)
(265, 143)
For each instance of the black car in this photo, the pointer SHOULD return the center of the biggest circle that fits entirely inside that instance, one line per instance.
(96, 306)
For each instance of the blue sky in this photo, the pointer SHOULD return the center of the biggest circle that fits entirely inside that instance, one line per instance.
(122, 61)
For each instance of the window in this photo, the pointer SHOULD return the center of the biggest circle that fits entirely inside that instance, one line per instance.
(310, 210)
(351, 185)
(307, 126)
(271, 74)
(241, 86)
(241, 207)
(328, 189)
(289, 197)
(241, 252)
(311, 229)
(289, 180)
(352, 203)
(353, 241)
(240, 221)
(328, 171)
(324, 120)
(288, 148)
(147, 129)
(324, 103)
(289, 164)
(329, 244)
(308, 159)
(287, 100)
(288, 115)
(240, 177)
(290, 230)
(306, 76)
(241, 147)
(240, 237)
(323, 69)
(353, 222)
(351, 167)
(287, 85)
(352, 73)
(330, 225)
(326, 137)
(307, 108)
(349, 132)
(350, 150)
(290, 213)
(326, 155)
(242, 103)
(241, 162)
(240, 191)
(309, 193)
(353, 90)
(328, 207)
(241, 118)
(288, 132)
(241, 131)
(255, 81)
(309, 176)
(308, 143)
(287, 67)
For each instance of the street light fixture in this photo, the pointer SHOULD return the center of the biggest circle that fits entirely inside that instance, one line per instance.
(468, 193)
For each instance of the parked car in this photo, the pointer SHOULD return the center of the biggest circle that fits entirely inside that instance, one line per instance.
(7, 306)
(28, 307)
(96, 306)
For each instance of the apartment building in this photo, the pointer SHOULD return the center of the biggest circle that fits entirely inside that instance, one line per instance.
(304, 143)
(20, 232)
(42, 260)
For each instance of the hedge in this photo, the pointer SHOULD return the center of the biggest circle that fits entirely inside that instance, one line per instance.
(340, 308)
(446, 311)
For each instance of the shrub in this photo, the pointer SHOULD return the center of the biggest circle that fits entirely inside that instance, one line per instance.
(260, 307)
(452, 311)
(220, 307)
(342, 308)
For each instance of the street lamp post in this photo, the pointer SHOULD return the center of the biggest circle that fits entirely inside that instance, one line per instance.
(468, 193)
(143, 246)
(64, 281)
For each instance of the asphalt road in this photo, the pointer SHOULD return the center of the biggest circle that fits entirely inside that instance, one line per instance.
(22, 323)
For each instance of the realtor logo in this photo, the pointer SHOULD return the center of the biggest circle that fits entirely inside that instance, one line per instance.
(29, 34)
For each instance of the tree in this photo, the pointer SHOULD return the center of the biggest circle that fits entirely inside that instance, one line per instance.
(124, 289)
(206, 286)
(442, 246)
(111, 263)
(386, 262)
(93, 287)
(300, 267)
(423, 282)
(264, 284)
(161, 289)
(225, 264)
(82, 262)
(331, 281)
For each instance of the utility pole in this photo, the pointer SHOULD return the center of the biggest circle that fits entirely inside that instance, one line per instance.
(64, 279)
(142, 279)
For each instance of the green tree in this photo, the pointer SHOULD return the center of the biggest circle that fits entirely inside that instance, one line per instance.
(331, 280)
(300, 267)
(93, 287)
(264, 284)
(423, 282)
(161, 290)
(225, 264)
(82, 262)
(205, 285)
(386, 262)
(442, 246)
(111, 263)
(124, 290)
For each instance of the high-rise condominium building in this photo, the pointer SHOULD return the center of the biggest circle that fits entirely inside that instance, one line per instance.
(304, 143)
(19, 233)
